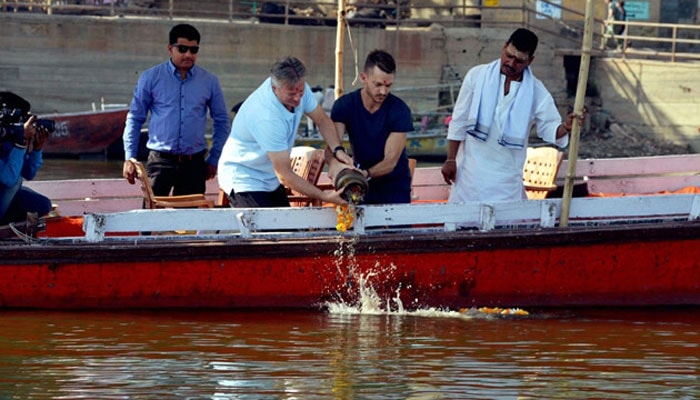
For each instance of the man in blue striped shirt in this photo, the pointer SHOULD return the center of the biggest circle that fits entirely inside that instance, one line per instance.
(177, 93)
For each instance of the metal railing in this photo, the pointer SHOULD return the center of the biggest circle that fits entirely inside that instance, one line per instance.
(661, 40)
(666, 46)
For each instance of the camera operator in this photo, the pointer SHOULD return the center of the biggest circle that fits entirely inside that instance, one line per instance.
(21, 159)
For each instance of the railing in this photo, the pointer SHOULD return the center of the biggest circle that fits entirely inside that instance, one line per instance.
(662, 40)
(666, 46)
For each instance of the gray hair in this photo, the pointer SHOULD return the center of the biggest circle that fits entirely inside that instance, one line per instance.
(288, 71)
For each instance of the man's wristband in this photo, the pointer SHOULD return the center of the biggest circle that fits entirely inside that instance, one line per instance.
(337, 149)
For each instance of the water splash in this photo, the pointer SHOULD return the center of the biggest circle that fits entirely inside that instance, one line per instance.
(369, 302)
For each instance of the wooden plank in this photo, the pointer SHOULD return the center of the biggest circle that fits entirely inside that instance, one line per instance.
(84, 188)
(108, 205)
(603, 176)
(674, 164)
(633, 207)
(94, 188)
(302, 221)
(642, 185)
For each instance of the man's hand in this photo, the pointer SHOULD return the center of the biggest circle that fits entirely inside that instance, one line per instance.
(41, 135)
(333, 196)
(129, 171)
(568, 124)
(449, 171)
(211, 171)
(343, 157)
(29, 133)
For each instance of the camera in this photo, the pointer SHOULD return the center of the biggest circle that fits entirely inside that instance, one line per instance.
(14, 112)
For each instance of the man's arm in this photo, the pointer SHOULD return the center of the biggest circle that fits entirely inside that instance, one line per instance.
(449, 168)
(11, 166)
(568, 124)
(331, 135)
(221, 127)
(135, 118)
(283, 169)
(394, 146)
(33, 160)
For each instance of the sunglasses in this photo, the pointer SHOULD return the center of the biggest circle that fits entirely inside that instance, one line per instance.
(183, 49)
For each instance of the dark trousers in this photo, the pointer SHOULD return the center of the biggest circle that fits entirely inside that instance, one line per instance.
(276, 198)
(25, 200)
(181, 174)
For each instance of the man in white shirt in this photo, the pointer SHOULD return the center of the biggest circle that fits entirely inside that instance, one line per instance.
(487, 138)
(255, 165)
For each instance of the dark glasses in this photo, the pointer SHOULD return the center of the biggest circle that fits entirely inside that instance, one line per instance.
(183, 49)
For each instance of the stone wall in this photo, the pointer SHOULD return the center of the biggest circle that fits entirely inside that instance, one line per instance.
(65, 63)
(654, 98)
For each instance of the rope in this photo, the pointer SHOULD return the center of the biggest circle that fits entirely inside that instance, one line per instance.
(22, 235)
(354, 53)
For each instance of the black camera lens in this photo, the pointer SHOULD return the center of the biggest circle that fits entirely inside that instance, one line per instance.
(48, 124)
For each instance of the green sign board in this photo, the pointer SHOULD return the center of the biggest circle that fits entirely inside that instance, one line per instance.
(637, 10)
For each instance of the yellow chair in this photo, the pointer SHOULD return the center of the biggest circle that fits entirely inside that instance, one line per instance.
(540, 171)
(308, 163)
(153, 201)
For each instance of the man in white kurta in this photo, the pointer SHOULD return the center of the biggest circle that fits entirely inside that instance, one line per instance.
(497, 106)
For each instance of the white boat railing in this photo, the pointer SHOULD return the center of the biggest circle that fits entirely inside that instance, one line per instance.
(319, 221)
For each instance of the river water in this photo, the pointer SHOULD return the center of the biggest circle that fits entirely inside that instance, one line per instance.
(344, 352)
(562, 354)
(59, 168)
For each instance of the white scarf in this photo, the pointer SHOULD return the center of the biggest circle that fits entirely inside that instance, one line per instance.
(483, 106)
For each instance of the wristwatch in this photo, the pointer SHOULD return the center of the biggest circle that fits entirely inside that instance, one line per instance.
(337, 149)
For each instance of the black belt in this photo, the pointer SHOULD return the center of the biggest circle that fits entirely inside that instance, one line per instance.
(179, 157)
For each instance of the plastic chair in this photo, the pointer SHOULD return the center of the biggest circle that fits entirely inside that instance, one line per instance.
(308, 163)
(540, 171)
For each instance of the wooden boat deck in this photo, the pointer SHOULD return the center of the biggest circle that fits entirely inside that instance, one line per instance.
(98, 199)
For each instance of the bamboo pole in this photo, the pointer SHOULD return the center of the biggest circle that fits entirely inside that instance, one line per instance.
(339, 40)
(578, 109)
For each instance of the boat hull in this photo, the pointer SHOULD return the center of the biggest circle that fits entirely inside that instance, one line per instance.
(639, 265)
(85, 132)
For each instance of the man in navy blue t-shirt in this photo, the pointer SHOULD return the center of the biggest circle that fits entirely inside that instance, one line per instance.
(377, 122)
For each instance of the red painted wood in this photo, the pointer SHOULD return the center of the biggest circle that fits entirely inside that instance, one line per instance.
(598, 267)
(85, 132)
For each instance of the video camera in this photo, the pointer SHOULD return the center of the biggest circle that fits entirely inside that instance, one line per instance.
(14, 112)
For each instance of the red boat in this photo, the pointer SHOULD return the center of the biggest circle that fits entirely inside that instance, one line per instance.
(89, 132)
(636, 249)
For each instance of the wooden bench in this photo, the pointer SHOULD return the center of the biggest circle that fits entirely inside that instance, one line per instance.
(635, 175)
(625, 176)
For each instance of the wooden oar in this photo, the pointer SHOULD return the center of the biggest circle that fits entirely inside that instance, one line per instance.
(578, 109)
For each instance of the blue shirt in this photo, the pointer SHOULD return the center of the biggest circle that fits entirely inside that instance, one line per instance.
(178, 112)
(15, 164)
(262, 125)
(368, 133)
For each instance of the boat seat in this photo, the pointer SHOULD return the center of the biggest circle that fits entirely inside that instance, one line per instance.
(540, 171)
(153, 201)
(307, 162)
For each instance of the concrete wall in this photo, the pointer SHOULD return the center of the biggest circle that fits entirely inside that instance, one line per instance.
(653, 97)
(65, 63)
